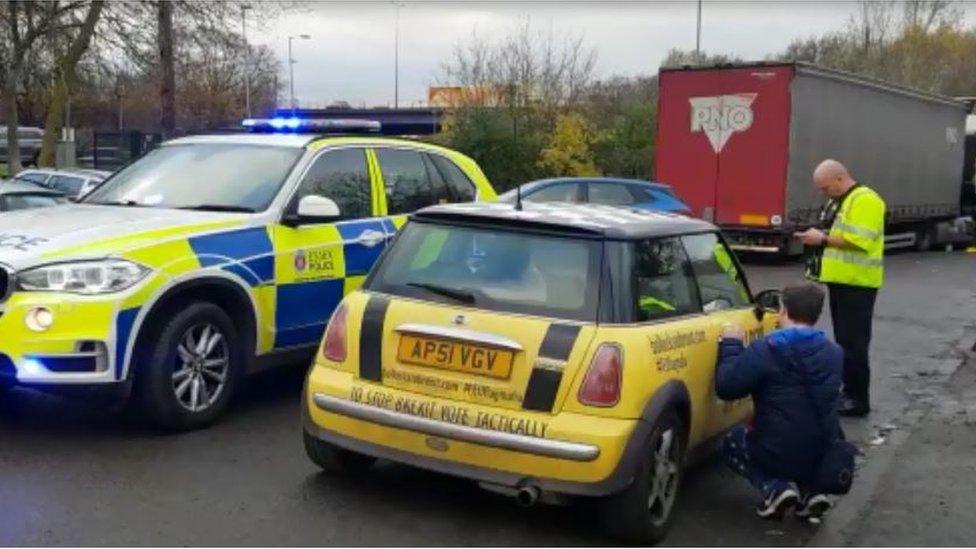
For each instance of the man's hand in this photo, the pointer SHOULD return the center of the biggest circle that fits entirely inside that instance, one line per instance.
(812, 237)
(733, 331)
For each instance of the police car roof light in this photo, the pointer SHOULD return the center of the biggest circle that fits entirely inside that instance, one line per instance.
(294, 124)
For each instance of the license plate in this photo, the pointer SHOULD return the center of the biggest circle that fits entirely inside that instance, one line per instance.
(455, 355)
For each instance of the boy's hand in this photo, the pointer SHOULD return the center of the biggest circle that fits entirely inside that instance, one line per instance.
(733, 331)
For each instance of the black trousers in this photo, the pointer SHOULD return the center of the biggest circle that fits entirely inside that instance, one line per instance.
(851, 310)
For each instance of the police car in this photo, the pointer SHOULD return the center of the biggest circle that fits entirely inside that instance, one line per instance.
(210, 257)
(549, 351)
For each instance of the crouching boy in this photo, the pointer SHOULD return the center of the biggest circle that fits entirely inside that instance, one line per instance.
(794, 377)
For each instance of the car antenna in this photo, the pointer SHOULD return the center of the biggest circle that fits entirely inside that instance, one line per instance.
(518, 198)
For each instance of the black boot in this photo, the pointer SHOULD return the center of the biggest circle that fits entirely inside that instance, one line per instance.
(850, 407)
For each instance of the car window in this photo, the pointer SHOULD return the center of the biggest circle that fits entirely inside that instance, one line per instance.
(610, 193)
(490, 269)
(67, 184)
(409, 186)
(664, 285)
(641, 195)
(28, 201)
(195, 175)
(558, 192)
(30, 133)
(32, 177)
(719, 280)
(343, 176)
(459, 187)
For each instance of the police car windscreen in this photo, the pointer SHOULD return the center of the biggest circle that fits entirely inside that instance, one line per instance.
(201, 175)
(508, 271)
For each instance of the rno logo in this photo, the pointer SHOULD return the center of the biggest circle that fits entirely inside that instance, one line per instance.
(721, 116)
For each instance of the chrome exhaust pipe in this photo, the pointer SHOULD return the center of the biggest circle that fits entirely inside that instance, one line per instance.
(527, 495)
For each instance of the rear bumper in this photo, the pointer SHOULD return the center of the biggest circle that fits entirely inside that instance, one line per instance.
(559, 449)
(578, 455)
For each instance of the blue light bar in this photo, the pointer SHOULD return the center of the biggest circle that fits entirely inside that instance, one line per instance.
(294, 124)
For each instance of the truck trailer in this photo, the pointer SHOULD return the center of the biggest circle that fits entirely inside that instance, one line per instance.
(740, 142)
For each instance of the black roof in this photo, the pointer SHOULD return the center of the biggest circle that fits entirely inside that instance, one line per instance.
(591, 220)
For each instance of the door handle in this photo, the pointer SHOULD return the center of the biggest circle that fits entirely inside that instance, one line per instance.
(370, 238)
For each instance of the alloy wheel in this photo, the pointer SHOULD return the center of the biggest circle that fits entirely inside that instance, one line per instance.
(664, 477)
(200, 371)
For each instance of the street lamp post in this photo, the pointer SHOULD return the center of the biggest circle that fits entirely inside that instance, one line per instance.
(291, 70)
(247, 62)
(396, 57)
(698, 34)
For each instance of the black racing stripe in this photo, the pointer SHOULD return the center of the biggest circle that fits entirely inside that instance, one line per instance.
(540, 394)
(559, 341)
(371, 339)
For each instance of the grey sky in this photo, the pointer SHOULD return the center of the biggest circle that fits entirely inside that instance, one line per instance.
(350, 55)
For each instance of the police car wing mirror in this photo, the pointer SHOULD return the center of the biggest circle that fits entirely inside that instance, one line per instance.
(316, 209)
(768, 301)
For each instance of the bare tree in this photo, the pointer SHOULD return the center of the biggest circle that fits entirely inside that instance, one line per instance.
(26, 23)
(64, 81)
(167, 64)
(523, 68)
(928, 14)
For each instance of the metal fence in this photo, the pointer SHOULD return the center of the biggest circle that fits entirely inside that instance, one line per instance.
(112, 150)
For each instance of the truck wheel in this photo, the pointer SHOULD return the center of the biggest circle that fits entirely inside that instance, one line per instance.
(924, 238)
(194, 365)
(336, 460)
(643, 512)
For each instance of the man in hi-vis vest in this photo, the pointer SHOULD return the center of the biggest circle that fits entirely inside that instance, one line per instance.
(848, 253)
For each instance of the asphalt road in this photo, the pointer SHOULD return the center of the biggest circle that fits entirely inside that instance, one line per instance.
(72, 473)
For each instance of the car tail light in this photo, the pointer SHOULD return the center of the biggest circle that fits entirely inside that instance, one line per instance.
(601, 386)
(334, 346)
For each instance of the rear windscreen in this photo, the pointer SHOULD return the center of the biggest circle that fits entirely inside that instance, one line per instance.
(492, 269)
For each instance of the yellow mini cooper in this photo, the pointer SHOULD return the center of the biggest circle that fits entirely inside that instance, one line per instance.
(544, 351)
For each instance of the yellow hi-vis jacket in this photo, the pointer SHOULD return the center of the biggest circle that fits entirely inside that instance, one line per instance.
(860, 222)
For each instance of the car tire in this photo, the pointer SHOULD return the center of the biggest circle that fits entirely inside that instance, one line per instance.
(644, 511)
(336, 460)
(194, 363)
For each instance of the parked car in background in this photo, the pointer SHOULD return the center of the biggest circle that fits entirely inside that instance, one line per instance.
(72, 182)
(30, 144)
(610, 191)
(16, 195)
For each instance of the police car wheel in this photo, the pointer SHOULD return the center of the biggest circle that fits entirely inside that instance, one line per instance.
(333, 459)
(643, 512)
(194, 366)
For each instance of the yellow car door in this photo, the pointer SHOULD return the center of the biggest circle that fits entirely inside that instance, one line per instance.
(725, 300)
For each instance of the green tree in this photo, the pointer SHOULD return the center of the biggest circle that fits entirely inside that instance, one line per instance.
(626, 148)
(569, 151)
(493, 137)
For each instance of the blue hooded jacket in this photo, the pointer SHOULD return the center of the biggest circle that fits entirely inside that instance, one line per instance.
(794, 378)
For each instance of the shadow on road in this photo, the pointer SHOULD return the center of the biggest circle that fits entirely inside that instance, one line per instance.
(79, 415)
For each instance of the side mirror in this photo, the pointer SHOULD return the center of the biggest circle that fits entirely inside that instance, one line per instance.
(768, 301)
(314, 209)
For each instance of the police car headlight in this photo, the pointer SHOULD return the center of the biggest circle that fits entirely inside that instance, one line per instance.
(83, 277)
